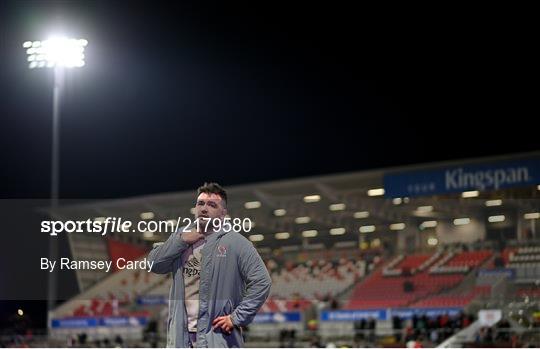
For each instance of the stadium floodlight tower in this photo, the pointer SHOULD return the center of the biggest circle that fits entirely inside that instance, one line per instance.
(59, 53)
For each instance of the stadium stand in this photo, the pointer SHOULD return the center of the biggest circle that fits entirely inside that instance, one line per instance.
(296, 286)
(400, 289)
(117, 291)
(427, 280)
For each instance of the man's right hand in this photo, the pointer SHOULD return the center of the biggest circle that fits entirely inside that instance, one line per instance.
(191, 236)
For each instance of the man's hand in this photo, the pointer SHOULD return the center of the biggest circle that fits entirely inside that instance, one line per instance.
(223, 322)
(191, 236)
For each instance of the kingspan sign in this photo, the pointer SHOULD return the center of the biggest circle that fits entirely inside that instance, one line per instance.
(488, 176)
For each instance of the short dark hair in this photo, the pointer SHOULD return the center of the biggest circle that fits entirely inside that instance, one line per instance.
(213, 188)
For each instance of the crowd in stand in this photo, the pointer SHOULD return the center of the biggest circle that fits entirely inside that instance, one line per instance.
(296, 286)
(429, 331)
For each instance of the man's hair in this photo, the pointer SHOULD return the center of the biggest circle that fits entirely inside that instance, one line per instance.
(213, 188)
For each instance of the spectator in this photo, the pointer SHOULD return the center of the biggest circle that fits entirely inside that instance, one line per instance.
(119, 341)
(434, 337)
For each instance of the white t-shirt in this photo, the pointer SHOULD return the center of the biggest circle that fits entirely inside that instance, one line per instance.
(192, 262)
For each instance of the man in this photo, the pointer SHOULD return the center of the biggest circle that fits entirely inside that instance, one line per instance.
(219, 279)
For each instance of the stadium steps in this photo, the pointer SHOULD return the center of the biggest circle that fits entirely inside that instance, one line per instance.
(469, 282)
(466, 335)
(464, 292)
(437, 293)
(346, 294)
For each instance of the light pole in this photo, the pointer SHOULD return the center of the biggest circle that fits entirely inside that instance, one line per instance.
(58, 53)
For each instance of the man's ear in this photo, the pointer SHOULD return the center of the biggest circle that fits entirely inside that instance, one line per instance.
(224, 212)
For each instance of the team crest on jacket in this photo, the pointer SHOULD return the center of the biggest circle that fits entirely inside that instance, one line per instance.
(222, 251)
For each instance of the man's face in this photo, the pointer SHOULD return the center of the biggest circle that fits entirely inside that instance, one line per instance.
(210, 206)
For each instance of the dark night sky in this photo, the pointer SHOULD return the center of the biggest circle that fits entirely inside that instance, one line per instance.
(176, 94)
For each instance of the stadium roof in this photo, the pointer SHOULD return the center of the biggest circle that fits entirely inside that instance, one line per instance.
(326, 209)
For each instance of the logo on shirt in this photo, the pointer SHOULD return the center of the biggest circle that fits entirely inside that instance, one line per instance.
(222, 251)
(192, 267)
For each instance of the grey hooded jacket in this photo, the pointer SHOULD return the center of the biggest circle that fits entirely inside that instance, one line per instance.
(234, 281)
